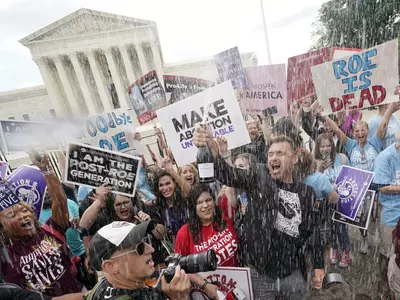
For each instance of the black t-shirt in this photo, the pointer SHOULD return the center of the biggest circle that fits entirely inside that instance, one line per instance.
(106, 291)
(20, 294)
(102, 219)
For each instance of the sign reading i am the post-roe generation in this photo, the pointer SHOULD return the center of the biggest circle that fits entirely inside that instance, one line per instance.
(93, 166)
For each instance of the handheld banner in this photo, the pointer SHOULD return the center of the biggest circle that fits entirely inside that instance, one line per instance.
(112, 131)
(29, 184)
(230, 67)
(180, 87)
(299, 79)
(3, 169)
(352, 185)
(93, 167)
(229, 281)
(224, 117)
(363, 214)
(7, 196)
(146, 95)
(266, 88)
(364, 79)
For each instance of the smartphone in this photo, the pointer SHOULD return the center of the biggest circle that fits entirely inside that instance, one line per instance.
(270, 111)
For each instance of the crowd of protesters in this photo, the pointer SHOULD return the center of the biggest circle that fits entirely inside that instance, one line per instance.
(270, 206)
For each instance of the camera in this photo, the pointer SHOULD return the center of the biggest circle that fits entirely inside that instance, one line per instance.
(193, 263)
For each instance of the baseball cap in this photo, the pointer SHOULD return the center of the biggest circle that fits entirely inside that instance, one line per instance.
(117, 236)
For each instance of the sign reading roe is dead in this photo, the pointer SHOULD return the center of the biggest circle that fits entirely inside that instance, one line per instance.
(94, 166)
(361, 80)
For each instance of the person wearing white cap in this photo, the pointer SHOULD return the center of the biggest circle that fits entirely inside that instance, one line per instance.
(123, 252)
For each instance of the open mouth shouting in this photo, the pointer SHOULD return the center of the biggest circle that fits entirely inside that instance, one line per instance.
(190, 179)
(27, 224)
(275, 168)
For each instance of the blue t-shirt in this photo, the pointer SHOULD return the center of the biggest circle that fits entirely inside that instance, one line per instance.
(387, 171)
(72, 235)
(392, 129)
(364, 161)
(320, 183)
(83, 191)
(333, 172)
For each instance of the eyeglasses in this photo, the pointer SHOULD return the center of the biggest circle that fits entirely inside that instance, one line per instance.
(119, 205)
(139, 248)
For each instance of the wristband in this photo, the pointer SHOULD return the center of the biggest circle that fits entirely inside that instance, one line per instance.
(204, 285)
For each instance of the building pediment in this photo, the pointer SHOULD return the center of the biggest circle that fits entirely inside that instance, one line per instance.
(84, 22)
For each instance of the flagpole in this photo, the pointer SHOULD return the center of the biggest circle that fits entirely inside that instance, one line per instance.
(265, 33)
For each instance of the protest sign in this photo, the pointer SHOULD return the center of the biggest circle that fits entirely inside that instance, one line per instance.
(112, 131)
(180, 87)
(364, 79)
(29, 184)
(23, 135)
(147, 95)
(93, 167)
(299, 79)
(338, 52)
(266, 87)
(7, 196)
(352, 184)
(230, 67)
(227, 280)
(224, 118)
(363, 214)
(3, 169)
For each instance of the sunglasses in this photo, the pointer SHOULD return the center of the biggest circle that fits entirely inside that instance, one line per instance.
(139, 248)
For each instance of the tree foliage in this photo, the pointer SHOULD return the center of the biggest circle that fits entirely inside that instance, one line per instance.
(342, 23)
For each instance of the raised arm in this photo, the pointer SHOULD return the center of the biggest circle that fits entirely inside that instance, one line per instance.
(89, 216)
(59, 206)
(392, 108)
(339, 133)
(167, 164)
(266, 125)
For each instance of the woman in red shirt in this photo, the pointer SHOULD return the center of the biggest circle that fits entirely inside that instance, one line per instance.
(208, 228)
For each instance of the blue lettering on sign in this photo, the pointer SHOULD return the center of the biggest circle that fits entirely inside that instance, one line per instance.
(120, 141)
(105, 144)
(221, 131)
(103, 123)
(357, 62)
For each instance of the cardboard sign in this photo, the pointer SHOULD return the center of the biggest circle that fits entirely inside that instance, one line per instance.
(338, 52)
(91, 166)
(3, 169)
(224, 117)
(112, 131)
(352, 185)
(230, 67)
(363, 214)
(299, 79)
(7, 196)
(364, 79)
(227, 279)
(146, 95)
(23, 135)
(266, 88)
(29, 184)
(180, 87)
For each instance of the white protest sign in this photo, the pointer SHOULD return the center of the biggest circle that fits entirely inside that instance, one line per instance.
(364, 79)
(112, 130)
(228, 280)
(91, 166)
(225, 118)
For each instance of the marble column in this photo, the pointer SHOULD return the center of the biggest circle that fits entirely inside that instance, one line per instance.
(100, 84)
(68, 89)
(142, 60)
(56, 99)
(89, 100)
(158, 62)
(128, 63)
(119, 86)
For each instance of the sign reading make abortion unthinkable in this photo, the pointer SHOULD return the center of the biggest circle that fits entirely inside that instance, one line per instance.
(363, 215)
(352, 185)
(29, 184)
(112, 131)
(224, 117)
(7, 196)
(230, 67)
(146, 95)
(266, 88)
(361, 80)
(93, 167)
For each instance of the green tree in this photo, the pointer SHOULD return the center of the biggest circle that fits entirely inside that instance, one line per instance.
(356, 23)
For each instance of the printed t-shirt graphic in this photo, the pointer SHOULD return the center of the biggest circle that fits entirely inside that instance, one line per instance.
(289, 213)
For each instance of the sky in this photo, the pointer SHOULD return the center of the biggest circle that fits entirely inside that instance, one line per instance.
(188, 29)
